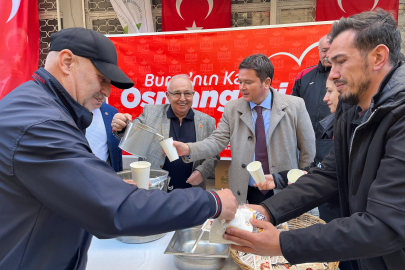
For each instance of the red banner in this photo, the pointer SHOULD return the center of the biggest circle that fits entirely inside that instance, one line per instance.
(19, 43)
(180, 15)
(211, 59)
(327, 10)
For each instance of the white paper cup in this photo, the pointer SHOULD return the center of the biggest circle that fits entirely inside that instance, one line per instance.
(256, 171)
(294, 174)
(169, 149)
(140, 173)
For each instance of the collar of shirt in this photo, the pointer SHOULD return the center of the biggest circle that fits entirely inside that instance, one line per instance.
(265, 104)
(358, 116)
(189, 116)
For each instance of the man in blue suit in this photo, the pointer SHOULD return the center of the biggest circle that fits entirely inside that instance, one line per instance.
(102, 142)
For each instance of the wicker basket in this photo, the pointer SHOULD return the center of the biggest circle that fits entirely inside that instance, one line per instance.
(300, 222)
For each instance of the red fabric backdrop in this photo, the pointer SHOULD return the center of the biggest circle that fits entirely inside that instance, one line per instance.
(202, 14)
(327, 10)
(19, 43)
(211, 59)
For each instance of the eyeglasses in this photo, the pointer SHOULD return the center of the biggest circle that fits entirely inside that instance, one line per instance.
(186, 94)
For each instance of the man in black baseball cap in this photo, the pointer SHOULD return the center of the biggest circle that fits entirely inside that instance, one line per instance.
(54, 192)
(94, 46)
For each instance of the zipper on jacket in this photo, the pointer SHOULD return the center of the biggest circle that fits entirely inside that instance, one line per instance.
(350, 150)
(354, 133)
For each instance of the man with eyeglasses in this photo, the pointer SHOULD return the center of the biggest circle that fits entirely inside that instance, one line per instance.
(180, 121)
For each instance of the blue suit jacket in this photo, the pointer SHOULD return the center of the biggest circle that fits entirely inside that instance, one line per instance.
(115, 156)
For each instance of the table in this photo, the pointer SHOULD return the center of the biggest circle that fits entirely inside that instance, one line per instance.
(111, 254)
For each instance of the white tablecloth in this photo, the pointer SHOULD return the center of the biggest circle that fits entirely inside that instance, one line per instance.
(111, 254)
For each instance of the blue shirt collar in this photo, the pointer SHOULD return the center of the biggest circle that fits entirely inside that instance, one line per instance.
(265, 104)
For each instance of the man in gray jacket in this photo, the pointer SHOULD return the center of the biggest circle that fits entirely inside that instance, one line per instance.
(263, 125)
(179, 121)
(54, 193)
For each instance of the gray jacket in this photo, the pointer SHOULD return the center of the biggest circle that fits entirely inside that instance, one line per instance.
(289, 129)
(155, 116)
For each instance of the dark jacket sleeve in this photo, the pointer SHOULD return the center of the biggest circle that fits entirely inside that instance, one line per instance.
(72, 182)
(376, 231)
(311, 190)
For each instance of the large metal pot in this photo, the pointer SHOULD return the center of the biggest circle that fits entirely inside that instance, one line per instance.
(160, 180)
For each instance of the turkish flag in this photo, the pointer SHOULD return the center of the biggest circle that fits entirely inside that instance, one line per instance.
(19, 43)
(180, 15)
(328, 10)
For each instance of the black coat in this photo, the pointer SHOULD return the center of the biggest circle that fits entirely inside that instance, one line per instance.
(367, 171)
(310, 85)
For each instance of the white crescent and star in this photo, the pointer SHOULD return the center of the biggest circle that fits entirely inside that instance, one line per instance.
(14, 9)
(14, 32)
(178, 3)
(341, 7)
(375, 4)
(194, 27)
(210, 5)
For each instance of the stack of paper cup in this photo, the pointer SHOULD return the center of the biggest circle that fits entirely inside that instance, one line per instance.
(169, 149)
(140, 173)
(294, 174)
(256, 171)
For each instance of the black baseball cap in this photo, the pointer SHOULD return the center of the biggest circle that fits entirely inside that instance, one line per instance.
(94, 46)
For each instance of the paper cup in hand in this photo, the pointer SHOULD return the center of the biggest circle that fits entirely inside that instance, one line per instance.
(256, 171)
(294, 174)
(140, 173)
(169, 149)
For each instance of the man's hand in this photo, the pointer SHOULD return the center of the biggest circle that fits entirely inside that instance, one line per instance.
(195, 178)
(268, 184)
(265, 243)
(260, 209)
(229, 204)
(131, 182)
(119, 121)
(182, 148)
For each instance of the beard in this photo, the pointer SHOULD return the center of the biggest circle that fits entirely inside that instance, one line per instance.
(363, 85)
(354, 98)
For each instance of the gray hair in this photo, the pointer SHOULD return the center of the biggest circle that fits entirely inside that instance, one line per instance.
(259, 63)
(373, 28)
(327, 39)
(180, 76)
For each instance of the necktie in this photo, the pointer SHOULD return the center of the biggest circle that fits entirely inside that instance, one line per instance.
(261, 145)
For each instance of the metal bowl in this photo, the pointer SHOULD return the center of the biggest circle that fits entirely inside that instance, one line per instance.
(206, 256)
(161, 178)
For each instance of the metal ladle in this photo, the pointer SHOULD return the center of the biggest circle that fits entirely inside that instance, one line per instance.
(196, 242)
